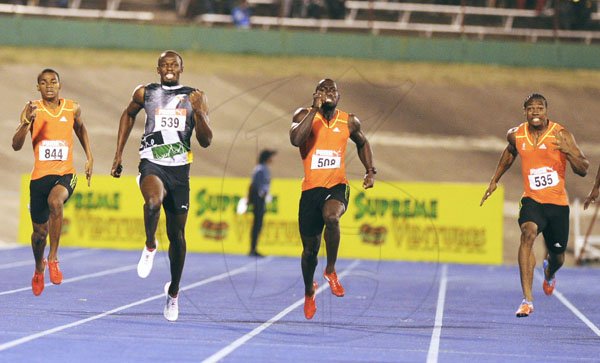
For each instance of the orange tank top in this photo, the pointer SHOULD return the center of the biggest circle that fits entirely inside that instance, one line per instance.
(542, 167)
(323, 154)
(52, 139)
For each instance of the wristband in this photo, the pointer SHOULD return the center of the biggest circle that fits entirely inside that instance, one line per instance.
(26, 121)
(372, 170)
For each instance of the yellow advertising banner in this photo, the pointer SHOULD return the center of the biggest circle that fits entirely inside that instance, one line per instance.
(436, 222)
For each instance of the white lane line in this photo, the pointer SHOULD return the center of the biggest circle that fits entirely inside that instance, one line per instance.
(78, 278)
(26, 339)
(31, 261)
(434, 345)
(244, 339)
(571, 307)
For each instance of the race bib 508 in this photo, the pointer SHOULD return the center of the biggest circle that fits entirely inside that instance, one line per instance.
(325, 159)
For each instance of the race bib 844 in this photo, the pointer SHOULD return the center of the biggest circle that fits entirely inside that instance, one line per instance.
(53, 150)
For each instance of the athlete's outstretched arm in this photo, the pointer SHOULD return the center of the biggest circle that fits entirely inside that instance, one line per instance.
(565, 143)
(25, 122)
(593, 196)
(303, 119)
(82, 135)
(200, 106)
(506, 160)
(363, 147)
(125, 125)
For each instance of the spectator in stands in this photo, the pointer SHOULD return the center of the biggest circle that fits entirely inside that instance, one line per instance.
(546, 148)
(285, 8)
(336, 9)
(574, 14)
(241, 15)
(581, 13)
(314, 8)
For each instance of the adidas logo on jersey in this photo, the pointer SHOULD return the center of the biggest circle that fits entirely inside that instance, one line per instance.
(336, 130)
(543, 147)
(63, 119)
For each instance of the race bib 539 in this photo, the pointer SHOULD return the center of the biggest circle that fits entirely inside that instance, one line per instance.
(170, 119)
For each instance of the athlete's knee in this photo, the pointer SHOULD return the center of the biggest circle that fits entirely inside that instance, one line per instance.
(153, 203)
(332, 220)
(56, 206)
(40, 233)
(528, 233)
(556, 250)
(176, 237)
(310, 254)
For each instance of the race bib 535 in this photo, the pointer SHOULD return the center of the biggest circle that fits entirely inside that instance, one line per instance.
(542, 178)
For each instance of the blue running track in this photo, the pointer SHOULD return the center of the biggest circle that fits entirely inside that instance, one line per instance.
(242, 309)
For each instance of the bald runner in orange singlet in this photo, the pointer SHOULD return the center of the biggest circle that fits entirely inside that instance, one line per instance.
(545, 148)
(321, 132)
(51, 122)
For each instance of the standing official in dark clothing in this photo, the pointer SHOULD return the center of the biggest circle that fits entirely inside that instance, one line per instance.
(259, 190)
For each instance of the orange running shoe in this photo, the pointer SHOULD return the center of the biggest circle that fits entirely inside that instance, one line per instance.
(336, 288)
(548, 286)
(56, 276)
(310, 303)
(525, 309)
(37, 282)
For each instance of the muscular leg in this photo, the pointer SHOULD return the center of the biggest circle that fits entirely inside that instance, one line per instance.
(259, 213)
(38, 244)
(332, 212)
(177, 248)
(153, 192)
(56, 200)
(309, 260)
(555, 262)
(529, 231)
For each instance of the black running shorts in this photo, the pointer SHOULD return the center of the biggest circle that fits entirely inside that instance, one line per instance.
(39, 190)
(552, 221)
(175, 179)
(310, 213)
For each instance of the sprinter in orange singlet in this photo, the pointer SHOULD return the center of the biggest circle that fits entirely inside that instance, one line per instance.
(51, 122)
(545, 147)
(321, 133)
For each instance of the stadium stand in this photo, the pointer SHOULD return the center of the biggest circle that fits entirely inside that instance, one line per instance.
(373, 16)
(108, 9)
(429, 20)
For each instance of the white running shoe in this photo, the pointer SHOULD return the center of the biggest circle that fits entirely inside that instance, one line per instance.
(146, 260)
(171, 311)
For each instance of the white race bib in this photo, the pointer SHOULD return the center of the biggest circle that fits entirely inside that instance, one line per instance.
(170, 119)
(325, 159)
(542, 178)
(53, 150)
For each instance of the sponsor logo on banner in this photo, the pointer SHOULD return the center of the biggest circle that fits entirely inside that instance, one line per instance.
(437, 222)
